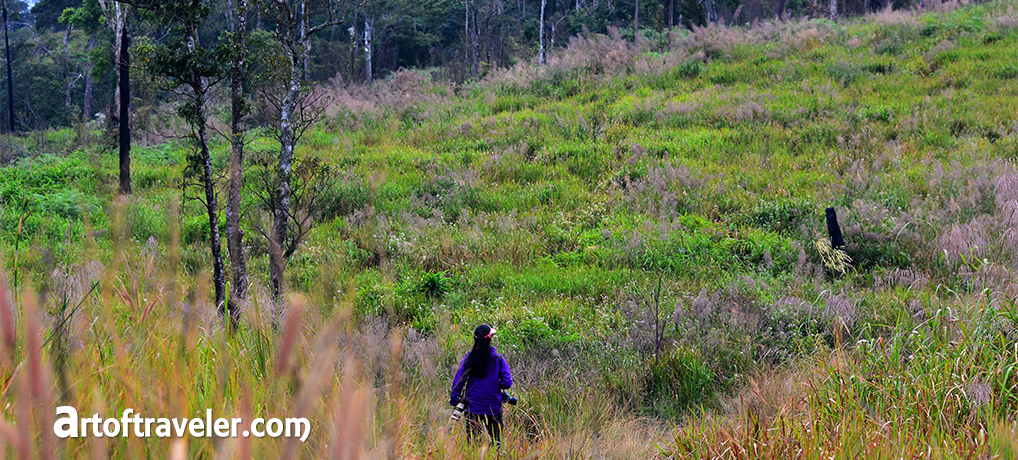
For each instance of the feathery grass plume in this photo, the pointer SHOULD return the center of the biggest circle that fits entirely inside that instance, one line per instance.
(178, 449)
(320, 372)
(18, 435)
(1005, 187)
(352, 413)
(1004, 438)
(40, 377)
(291, 329)
(239, 447)
(963, 243)
(842, 308)
(98, 445)
(837, 261)
(7, 319)
(396, 400)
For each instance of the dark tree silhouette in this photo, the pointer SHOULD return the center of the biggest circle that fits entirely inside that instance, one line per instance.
(833, 229)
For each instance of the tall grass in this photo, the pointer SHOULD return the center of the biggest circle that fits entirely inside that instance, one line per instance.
(144, 339)
(638, 223)
(938, 384)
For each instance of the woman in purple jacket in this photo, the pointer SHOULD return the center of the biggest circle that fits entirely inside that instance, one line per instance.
(485, 374)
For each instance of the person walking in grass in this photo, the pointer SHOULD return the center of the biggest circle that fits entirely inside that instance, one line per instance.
(479, 382)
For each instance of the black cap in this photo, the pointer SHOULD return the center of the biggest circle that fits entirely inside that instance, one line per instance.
(484, 331)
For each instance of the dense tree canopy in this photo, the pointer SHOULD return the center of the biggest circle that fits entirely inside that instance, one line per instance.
(59, 69)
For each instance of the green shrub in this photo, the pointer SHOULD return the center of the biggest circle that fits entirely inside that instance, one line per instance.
(67, 203)
(433, 285)
(147, 221)
(195, 229)
(993, 37)
(878, 113)
(303, 271)
(781, 215)
(537, 333)
(879, 251)
(844, 72)
(689, 69)
(879, 67)
(148, 178)
(532, 333)
(892, 39)
(1007, 71)
(723, 77)
(675, 381)
(373, 294)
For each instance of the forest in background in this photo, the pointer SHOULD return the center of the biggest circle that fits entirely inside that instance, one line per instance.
(64, 73)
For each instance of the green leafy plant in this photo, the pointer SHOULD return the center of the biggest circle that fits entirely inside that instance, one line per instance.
(434, 285)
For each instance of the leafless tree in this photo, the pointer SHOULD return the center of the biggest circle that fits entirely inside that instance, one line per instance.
(294, 29)
(234, 234)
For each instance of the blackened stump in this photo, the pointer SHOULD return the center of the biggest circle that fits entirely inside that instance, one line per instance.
(124, 73)
(833, 229)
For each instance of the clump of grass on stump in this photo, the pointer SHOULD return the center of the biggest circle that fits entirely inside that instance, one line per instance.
(837, 261)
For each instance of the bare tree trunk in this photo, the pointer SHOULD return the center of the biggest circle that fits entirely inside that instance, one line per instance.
(87, 103)
(279, 222)
(303, 32)
(542, 54)
(834, 9)
(636, 22)
(551, 41)
(353, 47)
(488, 40)
(368, 31)
(68, 81)
(296, 42)
(124, 83)
(476, 46)
(234, 234)
(199, 88)
(296, 51)
(115, 21)
(10, 78)
(712, 15)
(212, 208)
(466, 32)
(671, 23)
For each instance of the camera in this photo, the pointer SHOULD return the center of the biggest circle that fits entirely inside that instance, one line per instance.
(457, 413)
(512, 400)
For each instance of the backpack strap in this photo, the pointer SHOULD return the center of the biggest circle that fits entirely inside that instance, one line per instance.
(501, 363)
(464, 383)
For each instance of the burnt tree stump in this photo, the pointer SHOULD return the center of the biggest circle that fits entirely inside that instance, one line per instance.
(833, 229)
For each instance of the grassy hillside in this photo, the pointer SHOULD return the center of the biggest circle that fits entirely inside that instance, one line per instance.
(638, 221)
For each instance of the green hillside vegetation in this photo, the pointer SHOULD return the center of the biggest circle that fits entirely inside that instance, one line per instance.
(638, 223)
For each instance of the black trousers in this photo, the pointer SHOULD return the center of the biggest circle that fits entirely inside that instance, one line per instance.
(493, 424)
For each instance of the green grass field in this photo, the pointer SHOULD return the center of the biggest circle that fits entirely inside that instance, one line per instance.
(640, 225)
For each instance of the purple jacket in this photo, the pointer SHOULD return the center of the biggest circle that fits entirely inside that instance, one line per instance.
(484, 395)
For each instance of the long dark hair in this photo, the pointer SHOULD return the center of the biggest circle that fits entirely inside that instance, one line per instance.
(480, 356)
